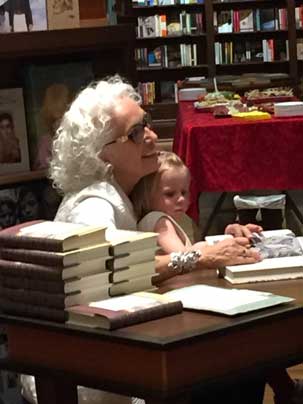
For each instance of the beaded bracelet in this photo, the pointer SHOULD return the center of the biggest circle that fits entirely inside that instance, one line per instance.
(184, 262)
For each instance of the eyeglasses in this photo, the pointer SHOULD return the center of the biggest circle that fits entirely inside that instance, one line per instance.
(136, 134)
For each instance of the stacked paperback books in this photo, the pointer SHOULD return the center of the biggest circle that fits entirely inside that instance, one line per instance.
(281, 253)
(46, 267)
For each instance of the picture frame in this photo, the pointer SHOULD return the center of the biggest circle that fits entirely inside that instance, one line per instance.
(14, 155)
(62, 14)
(29, 201)
(31, 18)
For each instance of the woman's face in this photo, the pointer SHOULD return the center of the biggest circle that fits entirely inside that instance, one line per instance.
(128, 158)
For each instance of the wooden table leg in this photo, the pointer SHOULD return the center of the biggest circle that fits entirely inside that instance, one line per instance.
(54, 391)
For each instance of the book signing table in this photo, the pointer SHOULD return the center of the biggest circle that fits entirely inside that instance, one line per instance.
(160, 360)
(234, 155)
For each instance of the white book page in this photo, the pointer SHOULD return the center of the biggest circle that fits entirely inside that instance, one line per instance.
(223, 300)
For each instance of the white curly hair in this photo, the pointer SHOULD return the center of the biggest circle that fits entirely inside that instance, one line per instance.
(84, 130)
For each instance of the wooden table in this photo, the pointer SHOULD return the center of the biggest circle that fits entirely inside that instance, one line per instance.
(159, 360)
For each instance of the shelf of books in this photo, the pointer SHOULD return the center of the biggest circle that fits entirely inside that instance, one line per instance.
(171, 42)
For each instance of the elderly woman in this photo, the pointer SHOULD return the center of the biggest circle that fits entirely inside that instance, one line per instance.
(103, 147)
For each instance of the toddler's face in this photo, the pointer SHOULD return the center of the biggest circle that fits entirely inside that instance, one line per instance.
(171, 195)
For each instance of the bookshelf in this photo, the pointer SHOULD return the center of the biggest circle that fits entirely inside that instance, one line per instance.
(108, 48)
(284, 33)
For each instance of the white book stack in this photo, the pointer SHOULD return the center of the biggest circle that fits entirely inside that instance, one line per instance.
(291, 108)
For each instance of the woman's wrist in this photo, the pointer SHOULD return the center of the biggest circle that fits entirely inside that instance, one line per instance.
(184, 262)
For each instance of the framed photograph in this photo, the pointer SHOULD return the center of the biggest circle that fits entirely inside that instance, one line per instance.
(22, 15)
(63, 14)
(30, 201)
(49, 90)
(14, 155)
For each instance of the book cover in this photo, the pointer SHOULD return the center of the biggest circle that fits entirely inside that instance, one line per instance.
(14, 155)
(52, 236)
(225, 301)
(50, 258)
(23, 15)
(123, 311)
(63, 14)
(246, 20)
(49, 90)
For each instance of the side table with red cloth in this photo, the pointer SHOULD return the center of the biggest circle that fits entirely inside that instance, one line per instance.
(233, 155)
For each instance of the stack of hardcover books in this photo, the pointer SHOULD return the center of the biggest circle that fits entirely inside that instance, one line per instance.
(47, 266)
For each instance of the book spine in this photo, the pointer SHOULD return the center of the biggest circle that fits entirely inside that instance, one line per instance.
(31, 243)
(140, 316)
(19, 282)
(34, 297)
(32, 256)
(30, 271)
(28, 310)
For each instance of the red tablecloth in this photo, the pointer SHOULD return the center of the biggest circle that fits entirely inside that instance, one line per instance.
(229, 154)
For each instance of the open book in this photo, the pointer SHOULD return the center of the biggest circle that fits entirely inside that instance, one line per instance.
(223, 300)
(276, 266)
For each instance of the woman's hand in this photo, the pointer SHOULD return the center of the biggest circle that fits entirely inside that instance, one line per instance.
(232, 251)
(238, 230)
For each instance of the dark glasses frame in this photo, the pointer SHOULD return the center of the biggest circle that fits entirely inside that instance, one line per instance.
(136, 133)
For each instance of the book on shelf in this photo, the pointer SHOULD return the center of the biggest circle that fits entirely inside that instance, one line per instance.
(49, 90)
(246, 20)
(282, 259)
(225, 301)
(123, 311)
(14, 154)
(63, 14)
(268, 19)
(51, 236)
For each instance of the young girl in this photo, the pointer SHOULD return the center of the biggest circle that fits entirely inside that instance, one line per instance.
(159, 201)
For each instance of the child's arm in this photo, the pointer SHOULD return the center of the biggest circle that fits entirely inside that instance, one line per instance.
(168, 239)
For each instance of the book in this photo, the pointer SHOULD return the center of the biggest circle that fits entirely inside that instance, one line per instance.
(56, 300)
(31, 310)
(274, 266)
(63, 14)
(136, 284)
(123, 311)
(225, 301)
(14, 154)
(63, 260)
(44, 279)
(52, 236)
(127, 241)
(49, 90)
(130, 259)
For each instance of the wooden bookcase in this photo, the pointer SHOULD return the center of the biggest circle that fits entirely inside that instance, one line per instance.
(110, 48)
(206, 66)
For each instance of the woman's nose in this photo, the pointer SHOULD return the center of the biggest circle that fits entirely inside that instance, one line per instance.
(150, 136)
